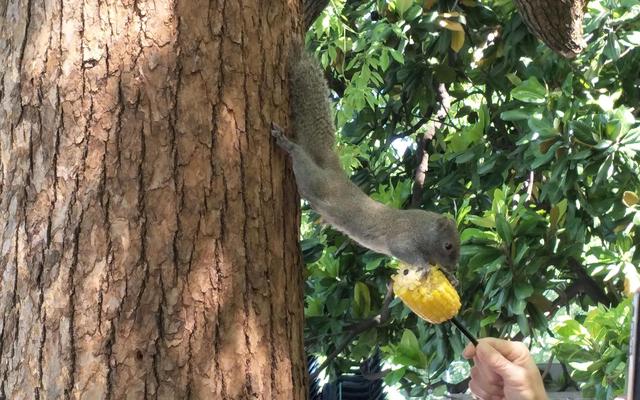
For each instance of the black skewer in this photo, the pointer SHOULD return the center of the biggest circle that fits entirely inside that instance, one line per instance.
(464, 331)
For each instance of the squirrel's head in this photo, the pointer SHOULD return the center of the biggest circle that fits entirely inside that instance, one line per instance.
(444, 248)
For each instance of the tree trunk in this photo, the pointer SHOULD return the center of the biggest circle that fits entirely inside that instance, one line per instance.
(558, 23)
(148, 230)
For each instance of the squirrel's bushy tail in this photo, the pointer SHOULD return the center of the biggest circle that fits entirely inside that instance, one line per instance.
(312, 115)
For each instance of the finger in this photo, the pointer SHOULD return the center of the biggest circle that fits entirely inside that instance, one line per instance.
(488, 387)
(488, 375)
(480, 391)
(491, 358)
(487, 379)
(512, 351)
(469, 351)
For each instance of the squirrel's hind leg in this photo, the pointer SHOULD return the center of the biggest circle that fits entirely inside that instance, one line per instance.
(313, 183)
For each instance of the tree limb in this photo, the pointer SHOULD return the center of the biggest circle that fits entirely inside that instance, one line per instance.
(443, 98)
(547, 368)
(421, 171)
(591, 288)
(311, 11)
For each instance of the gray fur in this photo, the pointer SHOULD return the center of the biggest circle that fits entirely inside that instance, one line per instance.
(415, 237)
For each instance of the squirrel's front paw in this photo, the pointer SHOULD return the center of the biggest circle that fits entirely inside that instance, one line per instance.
(281, 140)
(451, 277)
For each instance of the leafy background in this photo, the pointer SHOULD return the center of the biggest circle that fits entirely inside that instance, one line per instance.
(536, 157)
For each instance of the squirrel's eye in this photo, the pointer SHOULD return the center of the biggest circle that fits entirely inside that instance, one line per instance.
(448, 246)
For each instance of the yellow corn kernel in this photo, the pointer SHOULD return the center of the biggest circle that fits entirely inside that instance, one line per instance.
(431, 296)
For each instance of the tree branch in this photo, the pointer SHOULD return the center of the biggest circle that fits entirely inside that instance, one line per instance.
(443, 98)
(595, 291)
(547, 368)
(311, 11)
(421, 170)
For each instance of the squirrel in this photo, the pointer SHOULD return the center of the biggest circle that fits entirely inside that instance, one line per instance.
(417, 238)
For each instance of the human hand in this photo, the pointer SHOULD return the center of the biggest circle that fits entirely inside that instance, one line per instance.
(503, 370)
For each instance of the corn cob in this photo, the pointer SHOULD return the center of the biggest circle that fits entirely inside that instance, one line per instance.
(431, 296)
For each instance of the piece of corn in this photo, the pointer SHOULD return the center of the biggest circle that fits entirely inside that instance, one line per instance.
(431, 296)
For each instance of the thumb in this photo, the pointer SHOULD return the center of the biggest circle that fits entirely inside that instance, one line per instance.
(492, 358)
(469, 351)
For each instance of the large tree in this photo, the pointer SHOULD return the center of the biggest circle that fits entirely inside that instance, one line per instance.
(147, 231)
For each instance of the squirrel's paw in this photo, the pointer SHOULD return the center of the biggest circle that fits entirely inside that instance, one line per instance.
(424, 271)
(449, 275)
(281, 140)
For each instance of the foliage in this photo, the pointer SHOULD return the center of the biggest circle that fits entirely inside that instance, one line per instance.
(597, 349)
(535, 156)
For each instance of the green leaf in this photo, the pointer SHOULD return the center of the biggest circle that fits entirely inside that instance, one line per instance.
(631, 140)
(584, 132)
(517, 306)
(489, 320)
(605, 171)
(393, 377)
(461, 140)
(542, 128)
(474, 234)
(612, 48)
(332, 266)
(398, 56)
(570, 329)
(312, 250)
(361, 300)
(499, 202)
(484, 222)
(522, 290)
(521, 252)
(413, 12)
(517, 114)
(567, 85)
(384, 59)
(503, 228)
(557, 215)
(523, 324)
(513, 78)
(337, 306)
(581, 155)
(633, 38)
(465, 157)
(530, 91)
(402, 6)
(544, 158)
(410, 348)
(315, 307)
(487, 260)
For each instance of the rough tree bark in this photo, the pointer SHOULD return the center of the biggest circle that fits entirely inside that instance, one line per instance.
(148, 236)
(558, 23)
